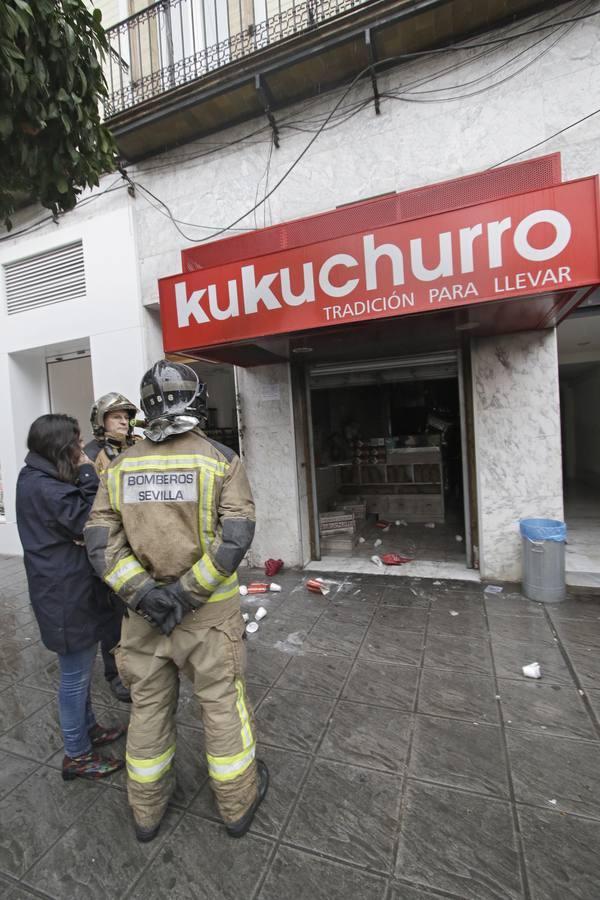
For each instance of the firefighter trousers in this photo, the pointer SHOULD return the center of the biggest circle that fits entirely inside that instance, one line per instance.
(213, 658)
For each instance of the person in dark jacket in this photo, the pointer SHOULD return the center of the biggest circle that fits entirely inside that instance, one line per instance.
(55, 492)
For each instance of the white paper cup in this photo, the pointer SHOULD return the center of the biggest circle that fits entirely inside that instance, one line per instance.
(532, 670)
(252, 627)
(260, 613)
(243, 590)
(274, 587)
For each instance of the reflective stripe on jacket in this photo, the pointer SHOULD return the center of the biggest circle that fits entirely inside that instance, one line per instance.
(179, 510)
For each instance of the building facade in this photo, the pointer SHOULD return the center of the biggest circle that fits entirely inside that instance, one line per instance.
(475, 97)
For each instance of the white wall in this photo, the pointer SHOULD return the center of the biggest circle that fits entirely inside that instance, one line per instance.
(517, 443)
(269, 454)
(108, 320)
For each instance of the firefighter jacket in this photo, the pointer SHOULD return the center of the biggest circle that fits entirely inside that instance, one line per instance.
(176, 511)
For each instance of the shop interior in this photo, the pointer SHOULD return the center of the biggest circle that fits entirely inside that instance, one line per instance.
(388, 463)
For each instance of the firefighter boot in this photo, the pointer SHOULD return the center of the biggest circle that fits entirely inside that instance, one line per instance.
(238, 829)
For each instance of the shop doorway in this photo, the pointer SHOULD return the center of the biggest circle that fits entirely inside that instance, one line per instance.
(389, 472)
(579, 380)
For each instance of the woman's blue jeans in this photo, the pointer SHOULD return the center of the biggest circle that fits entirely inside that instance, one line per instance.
(74, 699)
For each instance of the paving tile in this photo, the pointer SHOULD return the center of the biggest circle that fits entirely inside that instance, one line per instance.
(13, 891)
(402, 647)
(362, 803)
(45, 679)
(37, 737)
(512, 604)
(17, 702)
(459, 754)
(368, 736)
(584, 632)
(286, 770)
(99, 856)
(546, 768)
(464, 654)
(462, 603)
(401, 618)
(191, 769)
(586, 662)
(405, 596)
(523, 629)
(22, 662)
(315, 674)
(336, 637)
(407, 892)
(462, 623)
(561, 854)
(300, 876)
(552, 708)
(458, 695)
(36, 813)
(277, 629)
(11, 620)
(265, 665)
(349, 613)
(458, 842)
(575, 609)
(382, 683)
(292, 720)
(13, 770)
(199, 861)
(510, 657)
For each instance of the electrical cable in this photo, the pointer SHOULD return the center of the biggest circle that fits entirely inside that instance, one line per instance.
(546, 140)
(34, 226)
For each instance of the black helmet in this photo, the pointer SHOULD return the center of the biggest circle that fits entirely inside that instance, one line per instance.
(106, 404)
(172, 389)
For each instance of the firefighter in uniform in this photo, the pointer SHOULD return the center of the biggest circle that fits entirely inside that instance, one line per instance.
(111, 418)
(173, 518)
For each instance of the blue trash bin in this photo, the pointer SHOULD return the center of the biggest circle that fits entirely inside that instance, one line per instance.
(543, 543)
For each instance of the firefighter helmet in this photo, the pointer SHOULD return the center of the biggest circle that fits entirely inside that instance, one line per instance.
(172, 389)
(108, 403)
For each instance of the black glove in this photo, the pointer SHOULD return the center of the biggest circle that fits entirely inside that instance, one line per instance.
(164, 607)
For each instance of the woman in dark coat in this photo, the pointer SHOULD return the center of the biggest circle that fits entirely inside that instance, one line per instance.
(55, 493)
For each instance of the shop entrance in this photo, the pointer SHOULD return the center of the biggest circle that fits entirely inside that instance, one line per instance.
(579, 379)
(389, 472)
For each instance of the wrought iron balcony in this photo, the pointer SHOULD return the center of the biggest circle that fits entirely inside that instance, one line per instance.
(174, 42)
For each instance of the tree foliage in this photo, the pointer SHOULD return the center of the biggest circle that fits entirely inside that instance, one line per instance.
(52, 141)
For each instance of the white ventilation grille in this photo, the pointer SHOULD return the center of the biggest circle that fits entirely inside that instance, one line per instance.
(46, 278)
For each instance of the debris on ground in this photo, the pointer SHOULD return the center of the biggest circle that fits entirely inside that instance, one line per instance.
(245, 617)
(532, 670)
(260, 613)
(437, 583)
(377, 561)
(258, 587)
(458, 538)
(453, 612)
(399, 522)
(292, 643)
(320, 585)
(493, 589)
(273, 566)
(361, 540)
(553, 802)
(394, 559)
(382, 524)
(252, 627)
(378, 542)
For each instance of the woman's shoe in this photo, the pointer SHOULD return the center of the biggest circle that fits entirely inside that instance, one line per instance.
(90, 765)
(99, 735)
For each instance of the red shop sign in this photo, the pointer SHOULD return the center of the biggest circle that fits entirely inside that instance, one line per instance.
(533, 243)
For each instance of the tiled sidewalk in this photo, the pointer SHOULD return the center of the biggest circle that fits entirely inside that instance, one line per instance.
(409, 758)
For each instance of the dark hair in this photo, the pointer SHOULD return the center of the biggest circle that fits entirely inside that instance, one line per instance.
(56, 438)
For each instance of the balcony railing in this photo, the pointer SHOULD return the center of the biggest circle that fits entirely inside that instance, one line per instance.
(174, 42)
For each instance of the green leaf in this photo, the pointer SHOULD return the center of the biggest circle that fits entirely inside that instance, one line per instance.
(61, 184)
